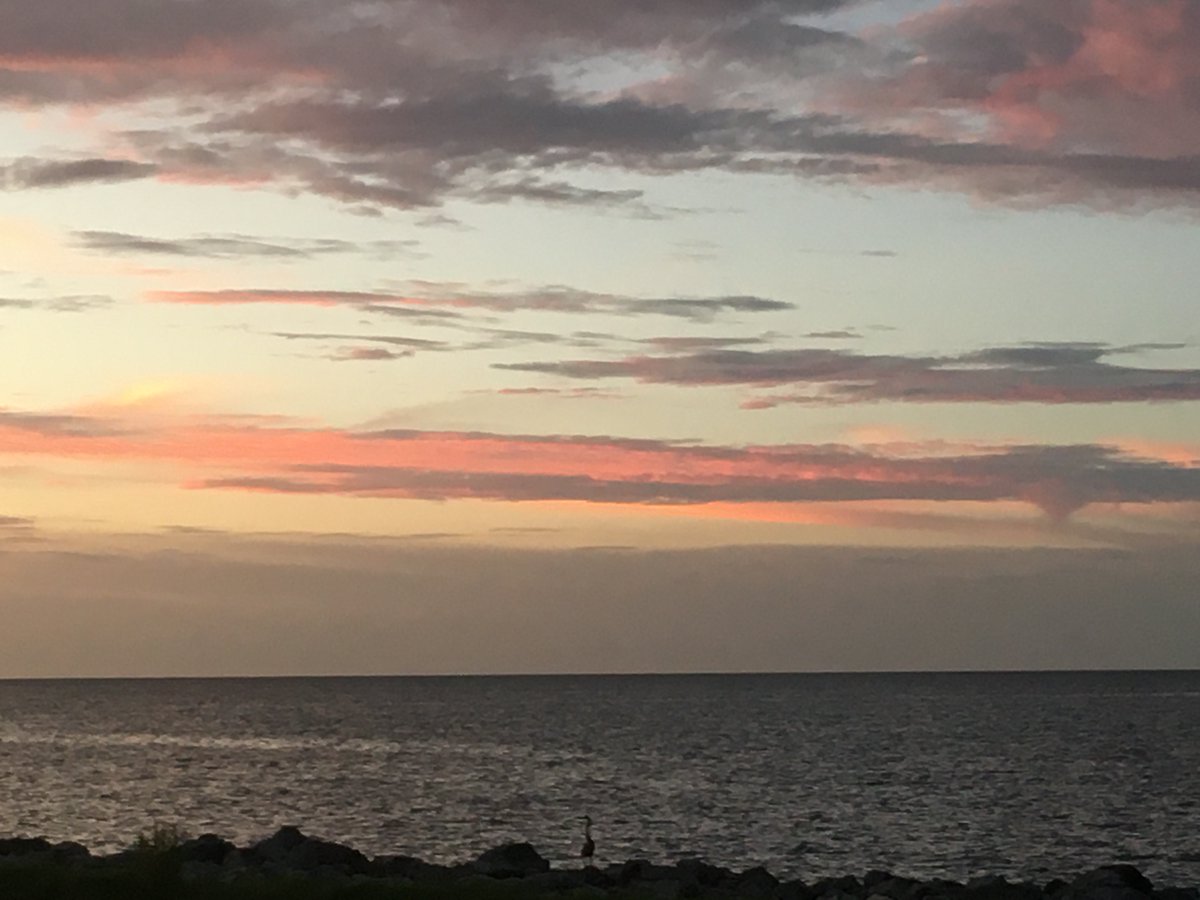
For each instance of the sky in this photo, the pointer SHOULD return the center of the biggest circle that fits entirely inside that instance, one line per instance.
(456, 336)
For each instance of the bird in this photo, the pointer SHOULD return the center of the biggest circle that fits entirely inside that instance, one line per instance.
(588, 850)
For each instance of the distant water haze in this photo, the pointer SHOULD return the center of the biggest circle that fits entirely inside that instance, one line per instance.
(1033, 775)
(336, 606)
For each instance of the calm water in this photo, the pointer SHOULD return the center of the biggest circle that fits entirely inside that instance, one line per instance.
(1026, 774)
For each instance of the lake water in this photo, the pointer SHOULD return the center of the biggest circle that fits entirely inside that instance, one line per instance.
(1031, 775)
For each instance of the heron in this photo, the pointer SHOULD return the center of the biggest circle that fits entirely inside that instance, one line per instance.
(588, 850)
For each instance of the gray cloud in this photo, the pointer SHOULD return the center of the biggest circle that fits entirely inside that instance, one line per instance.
(405, 106)
(232, 246)
(57, 425)
(368, 354)
(48, 173)
(1033, 373)
(409, 343)
(1057, 479)
(434, 299)
(70, 303)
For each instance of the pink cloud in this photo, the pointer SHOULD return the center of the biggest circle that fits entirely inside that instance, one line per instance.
(248, 455)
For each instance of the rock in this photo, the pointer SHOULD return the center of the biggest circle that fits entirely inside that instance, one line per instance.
(640, 870)
(997, 887)
(559, 880)
(1108, 883)
(23, 846)
(756, 882)
(279, 845)
(199, 870)
(70, 852)
(237, 860)
(874, 878)
(598, 878)
(1177, 894)
(207, 848)
(795, 890)
(697, 871)
(514, 860)
(847, 884)
(894, 887)
(410, 867)
(1124, 875)
(313, 854)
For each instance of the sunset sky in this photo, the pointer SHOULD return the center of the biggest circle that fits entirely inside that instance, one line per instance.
(557, 335)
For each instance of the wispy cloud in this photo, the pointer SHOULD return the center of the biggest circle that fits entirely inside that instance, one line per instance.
(234, 246)
(1046, 372)
(23, 174)
(224, 454)
(421, 297)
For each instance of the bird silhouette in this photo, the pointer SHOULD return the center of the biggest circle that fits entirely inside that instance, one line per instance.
(588, 850)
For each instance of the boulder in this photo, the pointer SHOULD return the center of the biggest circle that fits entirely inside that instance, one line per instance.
(24, 846)
(313, 854)
(410, 867)
(1123, 875)
(279, 845)
(70, 852)
(697, 871)
(207, 848)
(997, 887)
(795, 890)
(639, 871)
(756, 882)
(846, 885)
(1177, 894)
(874, 878)
(1108, 883)
(515, 860)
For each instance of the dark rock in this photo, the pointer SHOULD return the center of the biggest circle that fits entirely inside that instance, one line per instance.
(514, 860)
(895, 887)
(1123, 875)
(279, 845)
(199, 870)
(664, 888)
(997, 887)
(558, 880)
(207, 848)
(756, 882)
(1177, 894)
(70, 852)
(846, 884)
(312, 854)
(640, 870)
(409, 867)
(795, 890)
(1108, 883)
(23, 846)
(598, 878)
(697, 871)
(237, 859)
(874, 878)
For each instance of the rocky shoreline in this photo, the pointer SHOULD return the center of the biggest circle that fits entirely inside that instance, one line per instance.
(291, 853)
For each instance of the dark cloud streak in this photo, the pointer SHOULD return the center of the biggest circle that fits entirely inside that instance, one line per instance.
(1035, 373)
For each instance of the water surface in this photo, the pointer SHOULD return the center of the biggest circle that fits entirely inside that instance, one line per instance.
(951, 775)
